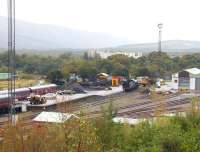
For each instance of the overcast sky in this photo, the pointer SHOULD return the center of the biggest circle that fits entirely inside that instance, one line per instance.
(135, 20)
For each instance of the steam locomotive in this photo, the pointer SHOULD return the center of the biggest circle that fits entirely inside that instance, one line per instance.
(129, 85)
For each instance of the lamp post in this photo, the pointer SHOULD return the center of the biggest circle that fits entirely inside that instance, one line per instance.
(160, 26)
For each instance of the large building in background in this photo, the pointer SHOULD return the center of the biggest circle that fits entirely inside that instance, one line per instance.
(106, 54)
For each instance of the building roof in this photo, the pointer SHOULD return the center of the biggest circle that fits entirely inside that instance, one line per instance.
(194, 71)
(103, 74)
(54, 117)
(4, 92)
(27, 88)
(43, 86)
(4, 96)
(129, 121)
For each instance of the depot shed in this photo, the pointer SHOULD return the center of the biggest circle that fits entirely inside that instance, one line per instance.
(189, 79)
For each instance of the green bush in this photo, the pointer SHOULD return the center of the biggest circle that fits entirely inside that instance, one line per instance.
(178, 134)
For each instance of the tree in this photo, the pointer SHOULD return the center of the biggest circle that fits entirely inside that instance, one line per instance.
(55, 76)
(88, 72)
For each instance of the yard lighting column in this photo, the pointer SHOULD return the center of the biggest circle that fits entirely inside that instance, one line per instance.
(11, 58)
(160, 26)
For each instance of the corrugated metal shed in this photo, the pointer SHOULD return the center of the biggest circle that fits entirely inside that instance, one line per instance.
(189, 79)
(197, 83)
(194, 72)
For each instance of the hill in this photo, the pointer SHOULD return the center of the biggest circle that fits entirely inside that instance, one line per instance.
(45, 37)
(168, 46)
(31, 36)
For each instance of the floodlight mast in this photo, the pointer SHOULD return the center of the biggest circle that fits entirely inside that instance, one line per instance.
(160, 26)
(11, 59)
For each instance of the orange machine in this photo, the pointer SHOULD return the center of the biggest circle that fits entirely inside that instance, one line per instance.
(116, 80)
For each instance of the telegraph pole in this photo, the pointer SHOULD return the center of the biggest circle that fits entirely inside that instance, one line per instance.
(160, 26)
(11, 59)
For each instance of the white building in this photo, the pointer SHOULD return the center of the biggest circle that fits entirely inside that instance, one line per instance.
(175, 77)
(91, 53)
(106, 54)
(175, 81)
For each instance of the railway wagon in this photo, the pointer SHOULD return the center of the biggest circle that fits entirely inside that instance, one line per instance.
(40, 90)
(23, 93)
(4, 104)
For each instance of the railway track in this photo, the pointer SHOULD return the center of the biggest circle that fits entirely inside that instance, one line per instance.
(75, 106)
(144, 108)
(149, 109)
(23, 119)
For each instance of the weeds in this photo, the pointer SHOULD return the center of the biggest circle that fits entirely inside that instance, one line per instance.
(177, 134)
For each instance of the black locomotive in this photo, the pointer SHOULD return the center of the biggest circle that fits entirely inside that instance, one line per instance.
(129, 85)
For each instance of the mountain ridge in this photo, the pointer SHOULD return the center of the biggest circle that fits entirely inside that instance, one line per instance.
(44, 36)
(168, 46)
(32, 36)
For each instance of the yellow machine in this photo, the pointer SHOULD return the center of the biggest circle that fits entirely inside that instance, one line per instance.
(102, 76)
(37, 99)
(144, 81)
(183, 90)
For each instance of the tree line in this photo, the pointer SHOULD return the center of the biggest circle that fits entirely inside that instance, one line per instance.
(154, 64)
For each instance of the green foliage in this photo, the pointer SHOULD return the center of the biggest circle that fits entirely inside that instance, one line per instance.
(55, 75)
(171, 144)
(154, 64)
(178, 134)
